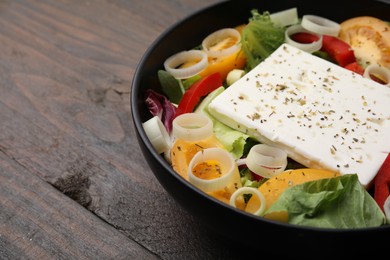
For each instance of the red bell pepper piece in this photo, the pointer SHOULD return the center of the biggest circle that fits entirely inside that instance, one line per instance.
(355, 67)
(340, 51)
(304, 37)
(196, 91)
(382, 183)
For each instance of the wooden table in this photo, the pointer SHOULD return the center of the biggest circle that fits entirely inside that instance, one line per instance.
(73, 183)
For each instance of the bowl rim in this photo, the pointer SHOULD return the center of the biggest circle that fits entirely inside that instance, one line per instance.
(135, 113)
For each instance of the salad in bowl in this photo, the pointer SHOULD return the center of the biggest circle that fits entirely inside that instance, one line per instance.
(282, 119)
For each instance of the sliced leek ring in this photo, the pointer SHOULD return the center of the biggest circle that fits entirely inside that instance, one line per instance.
(380, 72)
(320, 25)
(307, 47)
(227, 167)
(249, 190)
(222, 43)
(198, 60)
(192, 127)
(266, 161)
(157, 134)
(286, 17)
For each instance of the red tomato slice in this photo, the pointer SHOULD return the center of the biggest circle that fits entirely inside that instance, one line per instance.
(369, 37)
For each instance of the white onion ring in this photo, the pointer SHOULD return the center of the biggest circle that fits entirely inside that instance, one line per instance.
(254, 192)
(307, 47)
(320, 25)
(382, 72)
(228, 168)
(172, 63)
(216, 37)
(192, 127)
(266, 161)
(241, 161)
(157, 134)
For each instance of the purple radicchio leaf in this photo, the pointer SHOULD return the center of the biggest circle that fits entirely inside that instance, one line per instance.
(160, 106)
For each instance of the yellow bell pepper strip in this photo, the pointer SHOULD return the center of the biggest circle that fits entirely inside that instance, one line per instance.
(224, 65)
(199, 89)
(382, 183)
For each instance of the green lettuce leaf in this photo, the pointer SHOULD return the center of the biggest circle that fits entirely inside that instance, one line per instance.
(340, 202)
(171, 87)
(174, 88)
(233, 140)
(260, 38)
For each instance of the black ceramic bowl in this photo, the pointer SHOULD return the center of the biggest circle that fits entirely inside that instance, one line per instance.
(233, 223)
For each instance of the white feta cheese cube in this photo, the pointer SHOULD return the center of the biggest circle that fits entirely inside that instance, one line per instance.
(322, 115)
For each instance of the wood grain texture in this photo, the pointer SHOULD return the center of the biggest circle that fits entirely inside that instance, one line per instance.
(73, 184)
(38, 222)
